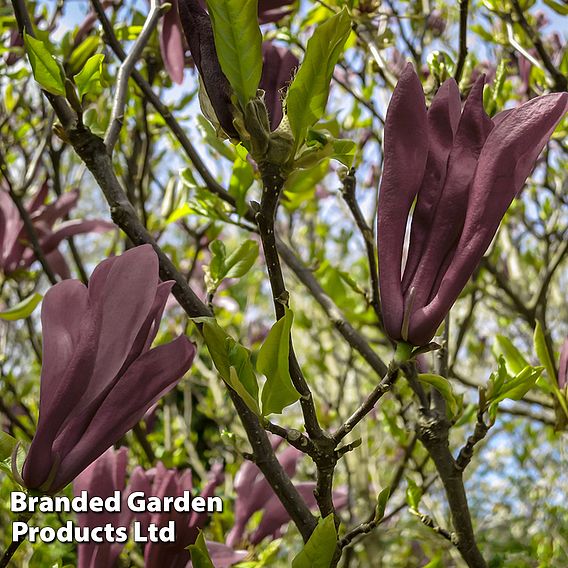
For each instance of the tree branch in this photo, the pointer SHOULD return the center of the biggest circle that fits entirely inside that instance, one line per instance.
(560, 80)
(125, 71)
(464, 8)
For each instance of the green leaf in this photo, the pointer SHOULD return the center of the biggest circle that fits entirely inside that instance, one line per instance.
(88, 80)
(445, 388)
(23, 309)
(319, 550)
(83, 52)
(239, 44)
(513, 358)
(232, 360)
(344, 151)
(382, 501)
(307, 96)
(7, 445)
(45, 68)
(413, 494)
(557, 7)
(236, 265)
(241, 180)
(543, 354)
(278, 391)
(239, 262)
(199, 554)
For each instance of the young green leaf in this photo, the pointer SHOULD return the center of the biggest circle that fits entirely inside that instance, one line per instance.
(45, 68)
(88, 80)
(22, 309)
(239, 44)
(240, 261)
(444, 387)
(543, 353)
(413, 494)
(382, 500)
(232, 360)
(278, 391)
(199, 554)
(319, 550)
(7, 445)
(513, 358)
(240, 182)
(307, 96)
(236, 265)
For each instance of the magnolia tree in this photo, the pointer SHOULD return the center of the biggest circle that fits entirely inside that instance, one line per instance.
(307, 258)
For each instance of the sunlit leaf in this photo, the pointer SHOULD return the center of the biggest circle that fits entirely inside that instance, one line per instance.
(22, 309)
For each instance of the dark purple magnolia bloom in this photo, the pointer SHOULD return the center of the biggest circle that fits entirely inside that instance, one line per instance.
(15, 249)
(162, 482)
(563, 366)
(273, 10)
(255, 494)
(277, 72)
(464, 169)
(436, 22)
(101, 479)
(199, 35)
(99, 375)
(172, 44)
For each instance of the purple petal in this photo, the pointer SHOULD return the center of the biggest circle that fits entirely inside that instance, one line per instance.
(273, 10)
(563, 366)
(104, 476)
(147, 380)
(506, 160)
(274, 515)
(127, 296)
(58, 264)
(215, 478)
(171, 44)
(69, 350)
(58, 209)
(405, 152)
(447, 223)
(199, 35)
(38, 199)
(443, 119)
(66, 230)
(279, 64)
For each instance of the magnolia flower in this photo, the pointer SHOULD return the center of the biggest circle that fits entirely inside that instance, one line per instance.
(99, 375)
(563, 366)
(15, 248)
(215, 95)
(464, 169)
(162, 482)
(101, 479)
(199, 34)
(255, 494)
(277, 71)
(172, 44)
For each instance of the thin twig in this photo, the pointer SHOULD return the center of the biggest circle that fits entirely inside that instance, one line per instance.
(464, 8)
(560, 80)
(31, 232)
(383, 387)
(350, 198)
(112, 41)
(117, 115)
